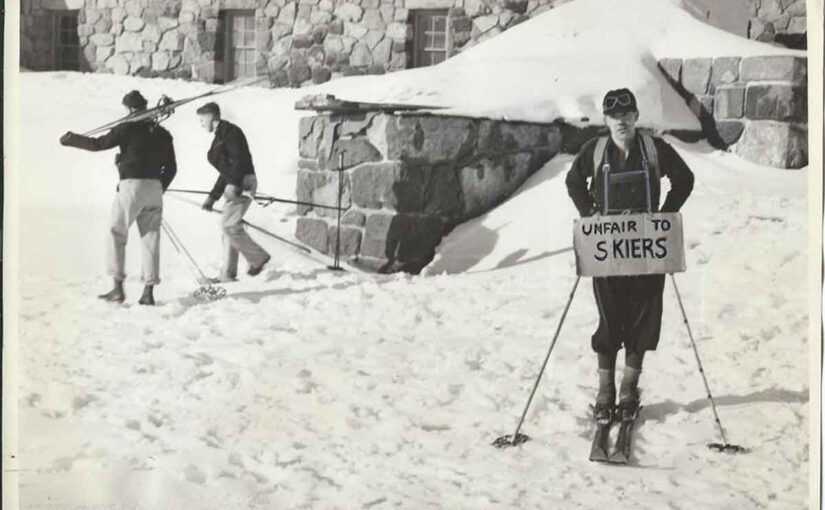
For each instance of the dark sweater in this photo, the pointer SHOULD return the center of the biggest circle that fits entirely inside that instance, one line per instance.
(146, 150)
(671, 165)
(230, 156)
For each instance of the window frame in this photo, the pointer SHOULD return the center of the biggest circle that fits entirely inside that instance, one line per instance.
(58, 47)
(421, 33)
(229, 50)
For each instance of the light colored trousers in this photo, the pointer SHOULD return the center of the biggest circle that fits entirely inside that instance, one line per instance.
(235, 238)
(141, 201)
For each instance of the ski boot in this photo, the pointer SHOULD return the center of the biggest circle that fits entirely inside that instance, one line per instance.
(116, 295)
(148, 297)
(256, 270)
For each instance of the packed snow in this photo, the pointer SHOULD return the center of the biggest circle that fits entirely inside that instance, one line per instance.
(306, 388)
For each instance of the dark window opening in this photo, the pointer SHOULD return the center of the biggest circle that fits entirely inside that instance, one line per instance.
(236, 52)
(66, 42)
(431, 42)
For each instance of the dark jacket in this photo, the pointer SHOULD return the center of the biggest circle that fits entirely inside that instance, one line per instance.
(671, 165)
(230, 156)
(146, 150)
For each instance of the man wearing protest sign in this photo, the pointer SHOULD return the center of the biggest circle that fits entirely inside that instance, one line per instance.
(624, 172)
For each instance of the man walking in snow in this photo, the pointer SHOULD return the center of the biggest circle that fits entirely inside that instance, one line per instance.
(146, 165)
(620, 168)
(229, 154)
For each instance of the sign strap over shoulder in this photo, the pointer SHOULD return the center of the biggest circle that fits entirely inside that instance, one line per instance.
(599, 153)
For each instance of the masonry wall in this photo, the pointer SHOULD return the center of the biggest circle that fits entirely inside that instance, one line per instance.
(408, 180)
(756, 107)
(299, 42)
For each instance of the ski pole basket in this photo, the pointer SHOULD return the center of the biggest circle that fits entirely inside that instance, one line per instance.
(206, 291)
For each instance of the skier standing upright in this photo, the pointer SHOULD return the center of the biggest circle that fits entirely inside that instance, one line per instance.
(229, 154)
(146, 166)
(622, 168)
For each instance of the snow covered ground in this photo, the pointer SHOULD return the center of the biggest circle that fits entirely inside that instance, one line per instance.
(312, 389)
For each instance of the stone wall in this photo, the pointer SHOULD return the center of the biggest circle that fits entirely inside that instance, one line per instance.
(299, 42)
(408, 180)
(756, 107)
(780, 21)
(772, 21)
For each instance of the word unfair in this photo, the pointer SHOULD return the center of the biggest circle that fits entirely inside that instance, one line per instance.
(629, 244)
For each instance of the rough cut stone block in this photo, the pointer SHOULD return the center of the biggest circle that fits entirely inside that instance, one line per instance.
(350, 240)
(433, 139)
(313, 232)
(374, 185)
(356, 151)
(696, 75)
(321, 75)
(129, 41)
(173, 41)
(349, 12)
(160, 61)
(133, 24)
(775, 144)
(729, 131)
(775, 68)
(353, 217)
(102, 39)
(730, 102)
(151, 33)
(104, 53)
(776, 102)
(725, 70)
(322, 188)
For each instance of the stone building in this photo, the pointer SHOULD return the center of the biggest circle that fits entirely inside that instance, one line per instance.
(300, 42)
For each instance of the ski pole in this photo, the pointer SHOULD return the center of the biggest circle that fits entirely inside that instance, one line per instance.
(206, 289)
(517, 438)
(720, 447)
(336, 264)
(253, 226)
(261, 197)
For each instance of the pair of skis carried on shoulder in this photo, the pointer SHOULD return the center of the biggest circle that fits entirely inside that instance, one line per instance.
(166, 106)
(600, 449)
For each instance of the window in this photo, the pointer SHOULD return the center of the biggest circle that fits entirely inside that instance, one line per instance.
(430, 37)
(66, 47)
(237, 48)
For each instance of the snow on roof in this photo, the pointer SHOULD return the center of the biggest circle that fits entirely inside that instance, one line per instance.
(559, 65)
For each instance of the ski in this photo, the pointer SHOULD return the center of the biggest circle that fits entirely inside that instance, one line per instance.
(168, 108)
(599, 448)
(621, 450)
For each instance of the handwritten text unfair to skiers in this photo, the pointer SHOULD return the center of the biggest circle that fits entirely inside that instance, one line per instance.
(629, 244)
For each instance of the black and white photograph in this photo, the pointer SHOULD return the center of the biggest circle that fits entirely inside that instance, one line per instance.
(412, 254)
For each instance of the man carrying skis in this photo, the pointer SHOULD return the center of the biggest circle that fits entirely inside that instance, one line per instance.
(146, 165)
(229, 154)
(620, 167)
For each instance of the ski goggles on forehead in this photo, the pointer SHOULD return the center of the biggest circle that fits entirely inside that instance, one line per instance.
(620, 100)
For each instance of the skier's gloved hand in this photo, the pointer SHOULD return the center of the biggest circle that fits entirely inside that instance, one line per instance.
(66, 139)
(208, 203)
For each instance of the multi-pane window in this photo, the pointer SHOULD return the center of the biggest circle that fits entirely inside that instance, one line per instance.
(430, 37)
(66, 42)
(239, 51)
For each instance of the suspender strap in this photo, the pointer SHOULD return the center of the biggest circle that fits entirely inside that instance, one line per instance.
(649, 152)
